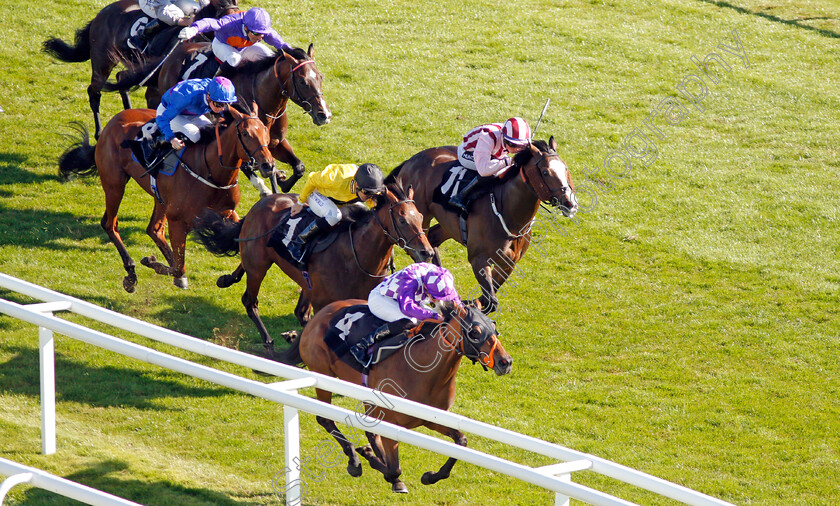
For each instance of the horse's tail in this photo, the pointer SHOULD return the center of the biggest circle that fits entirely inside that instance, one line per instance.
(67, 53)
(78, 159)
(133, 76)
(291, 355)
(217, 233)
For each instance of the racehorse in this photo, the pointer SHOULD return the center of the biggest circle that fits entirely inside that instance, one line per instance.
(347, 269)
(102, 42)
(206, 176)
(424, 371)
(498, 224)
(270, 82)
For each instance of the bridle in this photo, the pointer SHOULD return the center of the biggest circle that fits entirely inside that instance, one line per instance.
(251, 159)
(474, 353)
(538, 185)
(398, 241)
(306, 104)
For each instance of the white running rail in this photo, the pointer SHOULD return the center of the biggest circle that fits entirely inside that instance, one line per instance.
(555, 477)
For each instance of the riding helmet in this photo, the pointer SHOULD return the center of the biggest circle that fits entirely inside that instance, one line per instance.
(439, 283)
(258, 21)
(369, 178)
(221, 90)
(516, 131)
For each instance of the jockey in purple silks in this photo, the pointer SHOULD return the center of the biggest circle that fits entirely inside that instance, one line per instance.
(238, 36)
(403, 299)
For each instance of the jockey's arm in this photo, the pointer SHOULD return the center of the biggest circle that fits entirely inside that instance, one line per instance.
(273, 38)
(485, 164)
(405, 298)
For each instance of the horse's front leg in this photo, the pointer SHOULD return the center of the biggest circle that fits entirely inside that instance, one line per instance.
(483, 270)
(354, 465)
(303, 309)
(460, 439)
(157, 231)
(283, 152)
(178, 237)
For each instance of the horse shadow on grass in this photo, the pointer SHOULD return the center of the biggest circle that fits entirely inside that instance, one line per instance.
(11, 172)
(38, 228)
(198, 316)
(105, 476)
(798, 22)
(97, 386)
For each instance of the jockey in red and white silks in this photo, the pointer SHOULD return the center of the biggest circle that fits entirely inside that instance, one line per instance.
(485, 148)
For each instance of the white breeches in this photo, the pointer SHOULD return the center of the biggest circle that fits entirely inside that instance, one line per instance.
(324, 207)
(385, 307)
(466, 159)
(187, 125)
(170, 12)
(232, 56)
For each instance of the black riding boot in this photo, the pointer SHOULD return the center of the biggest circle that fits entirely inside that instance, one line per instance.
(461, 200)
(224, 69)
(359, 350)
(297, 244)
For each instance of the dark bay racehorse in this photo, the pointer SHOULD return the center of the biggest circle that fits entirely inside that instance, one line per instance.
(216, 162)
(102, 41)
(497, 237)
(349, 268)
(423, 372)
(270, 82)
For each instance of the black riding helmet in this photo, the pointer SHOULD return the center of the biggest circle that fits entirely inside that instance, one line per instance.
(369, 179)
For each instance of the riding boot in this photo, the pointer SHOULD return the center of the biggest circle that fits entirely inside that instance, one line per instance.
(388, 329)
(462, 199)
(224, 69)
(296, 246)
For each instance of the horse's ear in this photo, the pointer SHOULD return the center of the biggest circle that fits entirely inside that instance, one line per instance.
(478, 304)
(255, 109)
(234, 112)
(552, 144)
(311, 50)
(410, 192)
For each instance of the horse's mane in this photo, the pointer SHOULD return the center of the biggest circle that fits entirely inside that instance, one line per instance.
(208, 133)
(263, 63)
(522, 158)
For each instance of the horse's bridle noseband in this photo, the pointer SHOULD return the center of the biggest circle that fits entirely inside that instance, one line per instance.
(540, 187)
(251, 159)
(485, 359)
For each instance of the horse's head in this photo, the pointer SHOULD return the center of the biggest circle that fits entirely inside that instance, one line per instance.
(547, 175)
(225, 7)
(474, 334)
(301, 81)
(251, 140)
(402, 222)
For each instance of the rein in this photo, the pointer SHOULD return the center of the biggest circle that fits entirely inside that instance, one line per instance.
(398, 241)
(485, 359)
(300, 100)
(251, 159)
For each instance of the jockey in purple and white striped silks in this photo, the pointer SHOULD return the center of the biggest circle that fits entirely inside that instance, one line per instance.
(406, 292)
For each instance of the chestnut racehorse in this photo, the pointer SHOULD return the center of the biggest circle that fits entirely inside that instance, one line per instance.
(424, 371)
(270, 82)
(205, 177)
(498, 230)
(349, 268)
(102, 42)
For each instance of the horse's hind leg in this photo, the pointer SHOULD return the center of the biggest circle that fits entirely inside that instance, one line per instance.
(354, 465)
(460, 439)
(250, 301)
(227, 280)
(383, 455)
(303, 309)
(126, 99)
(113, 197)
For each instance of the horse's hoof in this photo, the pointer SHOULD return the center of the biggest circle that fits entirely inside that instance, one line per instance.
(399, 487)
(129, 283)
(224, 281)
(289, 335)
(182, 282)
(354, 470)
(148, 261)
(365, 451)
(428, 478)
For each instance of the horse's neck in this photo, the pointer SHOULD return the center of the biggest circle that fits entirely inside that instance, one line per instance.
(519, 204)
(269, 94)
(371, 239)
(220, 173)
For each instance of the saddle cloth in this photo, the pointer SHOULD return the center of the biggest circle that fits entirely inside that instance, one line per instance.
(350, 325)
(455, 178)
(200, 64)
(287, 230)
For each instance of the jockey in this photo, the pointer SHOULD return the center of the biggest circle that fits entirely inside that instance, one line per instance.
(182, 109)
(164, 13)
(485, 149)
(402, 300)
(337, 183)
(238, 36)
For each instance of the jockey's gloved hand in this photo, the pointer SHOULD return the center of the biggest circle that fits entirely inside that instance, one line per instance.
(188, 33)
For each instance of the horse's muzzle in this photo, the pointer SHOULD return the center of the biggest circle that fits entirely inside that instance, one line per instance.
(422, 255)
(266, 168)
(503, 365)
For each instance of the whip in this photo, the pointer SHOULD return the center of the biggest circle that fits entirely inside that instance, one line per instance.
(534, 131)
(159, 64)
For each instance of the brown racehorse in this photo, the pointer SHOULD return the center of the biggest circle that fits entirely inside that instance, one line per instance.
(423, 372)
(216, 162)
(496, 241)
(102, 42)
(347, 269)
(270, 82)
